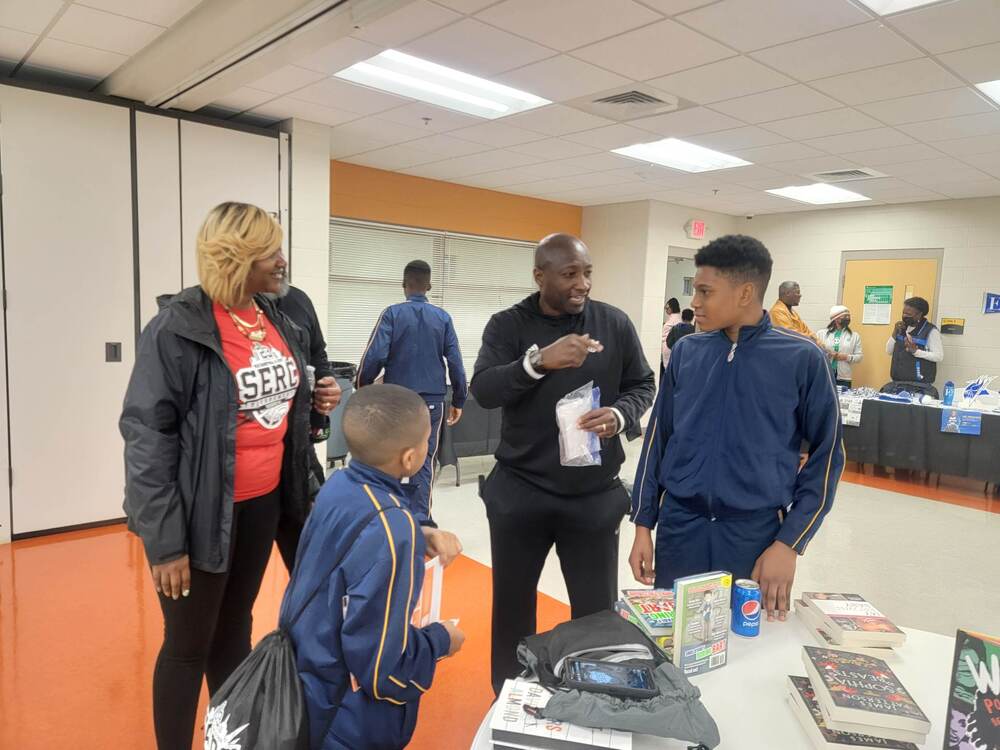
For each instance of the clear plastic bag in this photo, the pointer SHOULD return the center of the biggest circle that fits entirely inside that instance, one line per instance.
(578, 447)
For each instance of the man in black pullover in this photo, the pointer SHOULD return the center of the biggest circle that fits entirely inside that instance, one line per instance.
(532, 355)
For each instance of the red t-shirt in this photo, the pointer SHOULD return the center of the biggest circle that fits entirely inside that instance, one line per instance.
(266, 380)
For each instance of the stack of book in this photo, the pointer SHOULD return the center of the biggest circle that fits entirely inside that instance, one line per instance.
(517, 725)
(856, 695)
(652, 611)
(849, 622)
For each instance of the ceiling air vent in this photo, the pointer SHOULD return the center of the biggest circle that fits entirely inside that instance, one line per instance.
(629, 97)
(621, 105)
(847, 175)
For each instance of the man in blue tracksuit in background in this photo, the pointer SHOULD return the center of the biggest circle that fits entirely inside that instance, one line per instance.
(411, 342)
(719, 474)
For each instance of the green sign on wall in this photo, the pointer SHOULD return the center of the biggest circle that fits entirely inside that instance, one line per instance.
(878, 295)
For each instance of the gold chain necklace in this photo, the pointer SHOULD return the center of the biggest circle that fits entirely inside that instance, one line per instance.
(254, 331)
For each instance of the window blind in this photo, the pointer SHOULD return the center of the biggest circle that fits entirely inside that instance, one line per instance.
(472, 278)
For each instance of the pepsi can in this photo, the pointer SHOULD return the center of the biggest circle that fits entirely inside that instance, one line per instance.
(746, 608)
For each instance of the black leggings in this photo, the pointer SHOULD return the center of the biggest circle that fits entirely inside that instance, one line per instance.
(208, 632)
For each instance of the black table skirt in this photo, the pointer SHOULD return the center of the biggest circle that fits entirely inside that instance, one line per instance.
(908, 436)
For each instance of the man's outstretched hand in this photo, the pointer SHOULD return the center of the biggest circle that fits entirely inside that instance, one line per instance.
(775, 572)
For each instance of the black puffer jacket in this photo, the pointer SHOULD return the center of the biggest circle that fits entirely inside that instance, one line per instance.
(179, 425)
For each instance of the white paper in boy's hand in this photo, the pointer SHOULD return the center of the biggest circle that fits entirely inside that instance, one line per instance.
(428, 607)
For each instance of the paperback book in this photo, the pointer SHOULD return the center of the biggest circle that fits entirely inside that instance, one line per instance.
(973, 721)
(850, 619)
(701, 621)
(653, 607)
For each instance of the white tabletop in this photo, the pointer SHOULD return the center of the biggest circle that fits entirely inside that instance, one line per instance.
(747, 696)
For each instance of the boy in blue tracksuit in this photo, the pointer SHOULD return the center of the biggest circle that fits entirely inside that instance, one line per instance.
(362, 664)
(411, 342)
(719, 474)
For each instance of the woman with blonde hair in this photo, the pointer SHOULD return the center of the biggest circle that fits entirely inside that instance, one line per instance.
(216, 428)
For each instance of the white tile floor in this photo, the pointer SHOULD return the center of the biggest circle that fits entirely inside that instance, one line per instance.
(926, 564)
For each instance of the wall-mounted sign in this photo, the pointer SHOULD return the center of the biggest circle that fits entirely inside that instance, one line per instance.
(954, 326)
(961, 422)
(695, 229)
(991, 303)
(878, 305)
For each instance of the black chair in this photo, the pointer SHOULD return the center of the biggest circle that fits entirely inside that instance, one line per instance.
(476, 434)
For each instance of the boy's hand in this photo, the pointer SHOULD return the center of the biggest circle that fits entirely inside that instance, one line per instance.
(641, 559)
(442, 544)
(454, 414)
(457, 637)
(775, 572)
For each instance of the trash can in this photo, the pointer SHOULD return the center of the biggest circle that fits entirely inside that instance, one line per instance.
(336, 445)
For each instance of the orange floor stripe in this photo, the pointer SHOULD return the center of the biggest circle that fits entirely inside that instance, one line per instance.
(80, 629)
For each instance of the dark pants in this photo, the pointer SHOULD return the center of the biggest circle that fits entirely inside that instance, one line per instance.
(524, 524)
(423, 480)
(208, 633)
(689, 542)
(290, 526)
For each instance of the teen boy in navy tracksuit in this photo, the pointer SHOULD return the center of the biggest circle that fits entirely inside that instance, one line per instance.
(363, 666)
(411, 341)
(719, 476)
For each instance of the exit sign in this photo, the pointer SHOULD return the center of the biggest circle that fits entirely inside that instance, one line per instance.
(695, 229)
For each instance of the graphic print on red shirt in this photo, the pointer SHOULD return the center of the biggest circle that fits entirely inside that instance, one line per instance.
(267, 378)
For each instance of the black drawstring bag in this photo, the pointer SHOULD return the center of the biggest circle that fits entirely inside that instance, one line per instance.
(261, 705)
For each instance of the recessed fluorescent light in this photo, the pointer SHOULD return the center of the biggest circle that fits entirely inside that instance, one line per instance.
(991, 89)
(399, 73)
(677, 154)
(885, 7)
(819, 194)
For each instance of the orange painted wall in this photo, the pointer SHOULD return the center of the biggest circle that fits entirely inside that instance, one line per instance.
(358, 192)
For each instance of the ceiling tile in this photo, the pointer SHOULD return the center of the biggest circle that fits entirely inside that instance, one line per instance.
(756, 175)
(919, 195)
(333, 92)
(412, 20)
(933, 106)
(811, 165)
(726, 79)
(777, 152)
(978, 189)
(488, 161)
(161, 12)
(105, 31)
(562, 78)
(504, 177)
(746, 137)
(473, 47)
(286, 79)
(446, 146)
(888, 82)
(979, 144)
(343, 53)
(942, 168)
(895, 155)
(978, 65)
(611, 137)
(842, 51)
(860, 141)
(496, 134)
(368, 134)
(819, 124)
(546, 21)
(466, 6)
(286, 107)
(76, 59)
(601, 162)
(15, 44)
(654, 50)
(243, 98)
(555, 148)
(790, 101)
(673, 7)
(400, 156)
(687, 122)
(753, 24)
(949, 26)
(429, 118)
(556, 119)
(954, 127)
(31, 16)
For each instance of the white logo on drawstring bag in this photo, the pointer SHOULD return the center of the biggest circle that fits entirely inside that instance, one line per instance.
(217, 734)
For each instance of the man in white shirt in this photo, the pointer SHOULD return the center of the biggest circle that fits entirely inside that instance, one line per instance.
(915, 347)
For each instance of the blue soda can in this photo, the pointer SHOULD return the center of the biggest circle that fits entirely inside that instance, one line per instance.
(746, 608)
